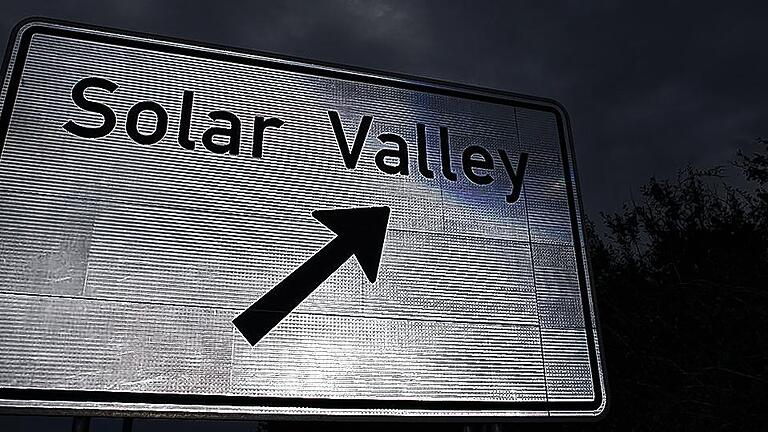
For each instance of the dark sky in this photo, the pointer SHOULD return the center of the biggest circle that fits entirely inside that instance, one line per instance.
(650, 87)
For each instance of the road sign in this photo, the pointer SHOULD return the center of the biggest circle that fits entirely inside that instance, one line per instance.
(196, 230)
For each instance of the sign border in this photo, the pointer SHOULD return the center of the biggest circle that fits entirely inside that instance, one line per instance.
(26, 29)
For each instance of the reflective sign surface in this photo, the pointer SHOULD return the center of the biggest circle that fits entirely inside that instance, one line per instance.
(153, 191)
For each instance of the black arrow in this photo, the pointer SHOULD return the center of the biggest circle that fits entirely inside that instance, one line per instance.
(359, 232)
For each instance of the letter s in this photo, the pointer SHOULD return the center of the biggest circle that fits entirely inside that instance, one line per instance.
(78, 96)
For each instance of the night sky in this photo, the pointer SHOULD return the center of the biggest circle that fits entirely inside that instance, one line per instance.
(649, 87)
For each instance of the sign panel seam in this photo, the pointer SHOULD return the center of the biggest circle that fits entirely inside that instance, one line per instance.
(184, 48)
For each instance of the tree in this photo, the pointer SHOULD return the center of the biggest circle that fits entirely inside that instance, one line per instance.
(682, 279)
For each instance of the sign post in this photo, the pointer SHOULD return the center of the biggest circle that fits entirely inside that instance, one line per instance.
(160, 251)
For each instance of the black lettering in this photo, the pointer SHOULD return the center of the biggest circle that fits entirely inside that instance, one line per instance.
(78, 96)
(421, 151)
(401, 154)
(445, 154)
(469, 164)
(132, 122)
(259, 124)
(186, 114)
(233, 132)
(350, 156)
(515, 176)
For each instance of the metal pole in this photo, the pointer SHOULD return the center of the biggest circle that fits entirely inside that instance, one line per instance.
(127, 424)
(81, 424)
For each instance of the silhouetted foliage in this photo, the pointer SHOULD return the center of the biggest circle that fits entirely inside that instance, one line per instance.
(682, 280)
(681, 276)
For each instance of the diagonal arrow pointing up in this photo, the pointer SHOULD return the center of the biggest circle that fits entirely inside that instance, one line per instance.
(359, 232)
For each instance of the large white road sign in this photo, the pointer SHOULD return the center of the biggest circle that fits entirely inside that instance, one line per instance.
(194, 230)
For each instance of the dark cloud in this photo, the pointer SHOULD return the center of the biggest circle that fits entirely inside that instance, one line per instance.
(650, 87)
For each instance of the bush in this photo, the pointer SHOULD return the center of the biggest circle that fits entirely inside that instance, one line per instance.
(682, 278)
